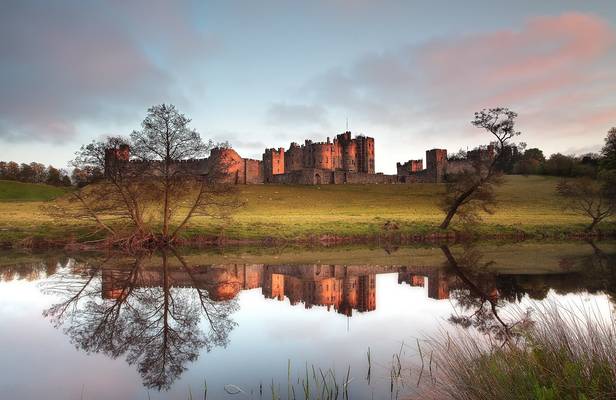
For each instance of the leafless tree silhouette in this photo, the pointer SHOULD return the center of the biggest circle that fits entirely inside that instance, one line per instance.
(155, 182)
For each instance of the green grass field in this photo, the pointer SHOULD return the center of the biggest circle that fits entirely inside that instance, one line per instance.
(20, 192)
(292, 212)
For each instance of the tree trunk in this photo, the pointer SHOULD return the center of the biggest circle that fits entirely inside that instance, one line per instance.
(456, 204)
(594, 223)
(460, 200)
(166, 211)
(450, 214)
(167, 162)
(195, 205)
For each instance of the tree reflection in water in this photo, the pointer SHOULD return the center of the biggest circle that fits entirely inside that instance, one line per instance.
(482, 294)
(157, 328)
(480, 305)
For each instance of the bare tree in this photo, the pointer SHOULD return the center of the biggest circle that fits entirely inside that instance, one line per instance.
(593, 198)
(164, 140)
(473, 189)
(165, 144)
(117, 200)
(156, 175)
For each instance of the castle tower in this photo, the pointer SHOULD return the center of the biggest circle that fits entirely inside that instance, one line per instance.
(273, 286)
(293, 158)
(273, 163)
(115, 156)
(307, 155)
(367, 293)
(323, 155)
(438, 286)
(227, 162)
(365, 154)
(436, 163)
(349, 152)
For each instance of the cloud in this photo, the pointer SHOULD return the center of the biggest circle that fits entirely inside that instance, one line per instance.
(292, 114)
(237, 140)
(555, 71)
(549, 56)
(72, 63)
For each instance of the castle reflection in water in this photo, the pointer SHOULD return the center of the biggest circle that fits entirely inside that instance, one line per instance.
(337, 287)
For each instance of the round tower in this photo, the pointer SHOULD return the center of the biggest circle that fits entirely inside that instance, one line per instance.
(323, 155)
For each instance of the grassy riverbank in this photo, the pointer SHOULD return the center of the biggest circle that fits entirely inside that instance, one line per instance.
(527, 204)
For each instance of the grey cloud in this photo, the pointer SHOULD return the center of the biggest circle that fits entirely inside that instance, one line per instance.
(293, 114)
(247, 144)
(64, 64)
(547, 66)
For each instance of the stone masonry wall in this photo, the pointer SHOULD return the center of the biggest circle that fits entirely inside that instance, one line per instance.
(253, 171)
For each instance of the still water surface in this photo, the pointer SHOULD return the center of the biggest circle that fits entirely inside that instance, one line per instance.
(101, 326)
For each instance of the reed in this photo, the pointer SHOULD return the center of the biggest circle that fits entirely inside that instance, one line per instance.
(565, 353)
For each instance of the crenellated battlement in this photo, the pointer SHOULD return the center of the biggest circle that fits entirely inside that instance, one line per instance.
(343, 159)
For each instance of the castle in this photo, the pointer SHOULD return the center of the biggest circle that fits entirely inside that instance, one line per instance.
(343, 288)
(343, 160)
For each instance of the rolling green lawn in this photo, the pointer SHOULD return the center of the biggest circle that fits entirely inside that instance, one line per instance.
(21, 192)
(292, 212)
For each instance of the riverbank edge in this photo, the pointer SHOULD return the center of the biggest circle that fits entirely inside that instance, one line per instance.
(79, 239)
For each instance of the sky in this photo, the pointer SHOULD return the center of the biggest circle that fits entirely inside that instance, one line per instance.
(265, 73)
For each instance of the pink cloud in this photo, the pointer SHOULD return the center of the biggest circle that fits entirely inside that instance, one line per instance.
(557, 72)
(547, 56)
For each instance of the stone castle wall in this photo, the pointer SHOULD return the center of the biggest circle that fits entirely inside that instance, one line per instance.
(273, 163)
(343, 160)
(457, 166)
(411, 166)
(253, 171)
(344, 153)
(239, 171)
(294, 158)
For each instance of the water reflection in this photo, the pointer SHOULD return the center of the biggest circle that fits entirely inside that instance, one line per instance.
(161, 311)
(122, 309)
(482, 295)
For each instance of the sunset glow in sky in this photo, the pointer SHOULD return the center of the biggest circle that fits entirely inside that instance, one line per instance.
(264, 73)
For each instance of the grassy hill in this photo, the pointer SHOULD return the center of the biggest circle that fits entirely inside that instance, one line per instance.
(525, 203)
(292, 212)
(18, 191)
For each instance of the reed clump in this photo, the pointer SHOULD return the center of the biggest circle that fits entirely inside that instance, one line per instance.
(565, 353)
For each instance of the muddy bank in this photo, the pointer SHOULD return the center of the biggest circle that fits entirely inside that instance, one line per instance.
(382, 239)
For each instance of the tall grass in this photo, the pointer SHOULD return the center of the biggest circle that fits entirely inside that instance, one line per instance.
(564, 354)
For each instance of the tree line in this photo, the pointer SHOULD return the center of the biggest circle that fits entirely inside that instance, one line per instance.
(594, 195)
(34, 173)
(517, 159)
